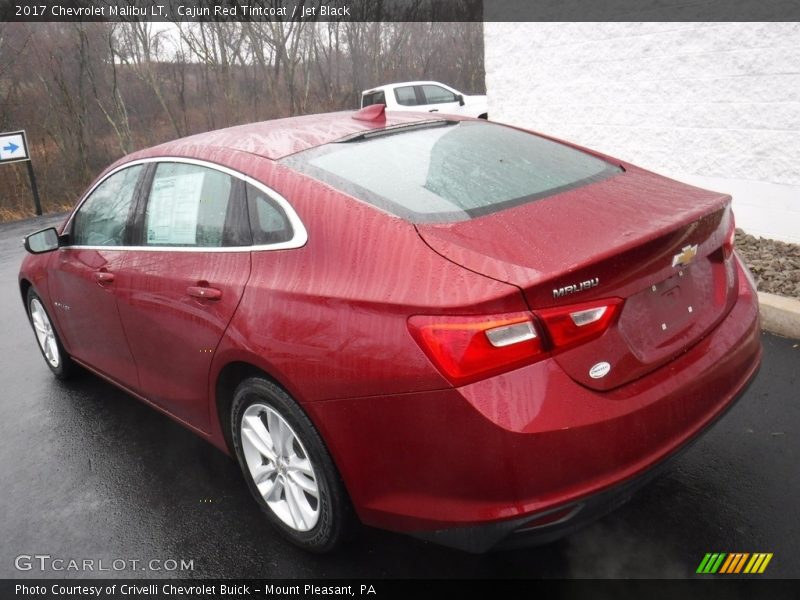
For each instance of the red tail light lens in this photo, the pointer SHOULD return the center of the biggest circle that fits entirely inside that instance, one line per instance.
(570, 326)
(465, 349)
(727, 245)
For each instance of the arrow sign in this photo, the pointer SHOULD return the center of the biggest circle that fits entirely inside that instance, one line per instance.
(13, 147)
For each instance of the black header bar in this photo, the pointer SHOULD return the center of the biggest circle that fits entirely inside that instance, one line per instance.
(398, 10)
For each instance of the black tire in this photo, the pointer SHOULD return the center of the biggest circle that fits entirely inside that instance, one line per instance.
(335, 521)
(65, 367)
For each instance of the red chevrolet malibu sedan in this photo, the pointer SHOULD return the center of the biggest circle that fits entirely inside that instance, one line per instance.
(447, 327)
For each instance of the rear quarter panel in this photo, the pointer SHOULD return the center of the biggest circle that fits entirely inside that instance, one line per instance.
(329, 320)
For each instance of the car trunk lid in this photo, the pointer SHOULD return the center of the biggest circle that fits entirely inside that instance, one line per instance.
(653, 242)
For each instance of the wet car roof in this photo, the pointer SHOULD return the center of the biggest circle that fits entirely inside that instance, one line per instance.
(279, 138)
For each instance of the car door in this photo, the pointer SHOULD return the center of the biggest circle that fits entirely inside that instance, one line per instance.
(180, 287)
(83, 282)
(439, 99)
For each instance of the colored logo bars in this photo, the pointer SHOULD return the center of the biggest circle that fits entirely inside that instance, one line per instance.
(734, 563)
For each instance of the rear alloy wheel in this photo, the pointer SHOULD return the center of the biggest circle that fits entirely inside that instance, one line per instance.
(280, 467)
(287, 467)
(60, 364)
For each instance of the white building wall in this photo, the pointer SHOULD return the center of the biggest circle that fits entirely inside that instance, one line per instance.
(714, 104)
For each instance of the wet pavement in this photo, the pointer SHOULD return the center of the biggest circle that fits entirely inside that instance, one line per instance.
(88, 472)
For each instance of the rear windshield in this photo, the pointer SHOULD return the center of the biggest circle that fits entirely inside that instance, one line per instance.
(447, 171)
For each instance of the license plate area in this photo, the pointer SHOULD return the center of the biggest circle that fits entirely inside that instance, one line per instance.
(658, 320)
(672, 302)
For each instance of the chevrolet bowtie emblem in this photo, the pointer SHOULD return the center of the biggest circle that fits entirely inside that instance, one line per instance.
(685, 256)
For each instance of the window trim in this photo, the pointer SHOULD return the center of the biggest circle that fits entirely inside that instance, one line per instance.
(298, 239)
(237, 217)
(136, 225)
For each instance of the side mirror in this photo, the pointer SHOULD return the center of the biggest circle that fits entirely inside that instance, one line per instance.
(460, 98)
(42, 241)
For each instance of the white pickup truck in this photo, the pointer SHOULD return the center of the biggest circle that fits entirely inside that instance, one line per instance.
(430, 96)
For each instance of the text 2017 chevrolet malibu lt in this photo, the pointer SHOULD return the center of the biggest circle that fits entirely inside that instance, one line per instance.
(445, 327)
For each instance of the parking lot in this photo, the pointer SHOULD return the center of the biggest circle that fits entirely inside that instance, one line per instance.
(88, 472)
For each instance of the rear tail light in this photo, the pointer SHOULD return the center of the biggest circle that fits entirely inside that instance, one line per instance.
(469, 348)
(748, 274)
(570, 326)
(581, 318)
(727, 245)
(500, 337)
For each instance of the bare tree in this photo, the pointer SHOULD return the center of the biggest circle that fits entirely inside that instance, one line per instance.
(107, 94)
(90, 92)
(140, 47)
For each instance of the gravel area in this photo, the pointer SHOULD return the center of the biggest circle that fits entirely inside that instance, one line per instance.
(776, 265)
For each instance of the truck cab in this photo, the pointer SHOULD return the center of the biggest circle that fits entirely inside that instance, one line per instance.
(431, 96)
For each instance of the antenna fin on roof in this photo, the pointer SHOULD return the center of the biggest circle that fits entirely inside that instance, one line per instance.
(373, 112)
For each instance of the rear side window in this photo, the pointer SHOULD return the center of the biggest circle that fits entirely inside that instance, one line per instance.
(188, 206)
(446, 171)
(102, 218)
(268, 222)
(373, 98)
(406, 96)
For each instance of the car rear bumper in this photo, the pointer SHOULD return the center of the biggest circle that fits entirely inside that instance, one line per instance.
(531, 449)
(550, 525)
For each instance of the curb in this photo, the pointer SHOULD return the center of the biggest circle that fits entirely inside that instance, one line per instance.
(779, 314)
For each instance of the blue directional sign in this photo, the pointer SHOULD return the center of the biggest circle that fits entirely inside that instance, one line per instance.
(13, 147)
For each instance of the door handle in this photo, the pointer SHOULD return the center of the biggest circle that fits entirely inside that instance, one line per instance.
(434, 110)
(204, 292)
(103, 277)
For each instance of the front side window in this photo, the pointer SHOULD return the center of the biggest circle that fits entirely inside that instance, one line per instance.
(406, 96)
(444, 171)
(102, 218)
(188, 206)
(437, 95)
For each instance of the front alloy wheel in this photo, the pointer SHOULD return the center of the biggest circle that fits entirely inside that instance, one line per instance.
(46, 336)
